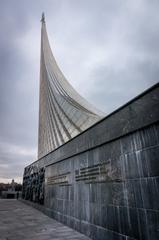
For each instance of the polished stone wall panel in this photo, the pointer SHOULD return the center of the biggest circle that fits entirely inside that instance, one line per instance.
(117, 206)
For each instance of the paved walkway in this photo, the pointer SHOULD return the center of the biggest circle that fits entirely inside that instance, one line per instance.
(22, 222)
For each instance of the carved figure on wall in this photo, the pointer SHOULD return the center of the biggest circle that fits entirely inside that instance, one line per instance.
(33, 184)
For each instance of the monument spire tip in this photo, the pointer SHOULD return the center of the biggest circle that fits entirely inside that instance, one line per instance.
(43, 18)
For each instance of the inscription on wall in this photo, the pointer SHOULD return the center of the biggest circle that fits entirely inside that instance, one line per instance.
(96, 173)
(62, 179)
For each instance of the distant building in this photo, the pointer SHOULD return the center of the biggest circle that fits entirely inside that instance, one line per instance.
(12, 190)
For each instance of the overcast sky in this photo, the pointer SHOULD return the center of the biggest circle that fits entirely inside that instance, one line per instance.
(107, 49)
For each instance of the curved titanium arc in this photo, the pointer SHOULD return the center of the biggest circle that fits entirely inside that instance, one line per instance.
(63, 113)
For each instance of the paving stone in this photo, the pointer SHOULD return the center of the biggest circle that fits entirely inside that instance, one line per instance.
(22, 222)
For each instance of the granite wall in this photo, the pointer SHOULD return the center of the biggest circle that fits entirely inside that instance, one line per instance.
(105, 182)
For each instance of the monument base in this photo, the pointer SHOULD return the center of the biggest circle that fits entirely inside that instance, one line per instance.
(105, 182)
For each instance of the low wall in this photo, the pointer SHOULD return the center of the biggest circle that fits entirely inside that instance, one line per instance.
(105, 182)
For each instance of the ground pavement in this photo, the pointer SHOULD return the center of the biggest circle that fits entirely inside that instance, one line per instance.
(22, 222)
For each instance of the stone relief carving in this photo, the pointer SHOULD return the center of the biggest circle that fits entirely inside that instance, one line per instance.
(33, 184)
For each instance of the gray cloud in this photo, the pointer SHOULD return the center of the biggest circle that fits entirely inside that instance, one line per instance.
(115, 87)
(107, 49)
